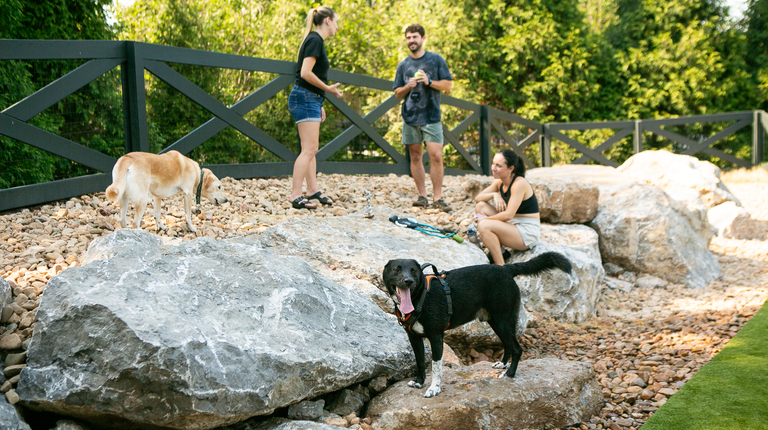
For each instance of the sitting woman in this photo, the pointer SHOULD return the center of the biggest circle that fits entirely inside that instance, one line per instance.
(507, 212)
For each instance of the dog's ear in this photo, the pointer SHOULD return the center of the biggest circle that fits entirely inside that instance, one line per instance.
(208, 178)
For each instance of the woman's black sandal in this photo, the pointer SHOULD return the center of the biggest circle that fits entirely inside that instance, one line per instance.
(301, 203)
(321, 198)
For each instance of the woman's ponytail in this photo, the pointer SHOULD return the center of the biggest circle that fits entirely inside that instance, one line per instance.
(315, 17)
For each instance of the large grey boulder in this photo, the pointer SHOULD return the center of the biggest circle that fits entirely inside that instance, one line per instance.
(555, 294)
(544, 394)
(673, 171)
(10, 418)
(286, 424)
(688, 203)
(685, 201)
(639, 230)
(353, 250)
(592, 174)
(199, 335)
(564, 201)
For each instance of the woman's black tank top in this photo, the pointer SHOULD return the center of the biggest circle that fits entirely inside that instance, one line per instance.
(527, 206)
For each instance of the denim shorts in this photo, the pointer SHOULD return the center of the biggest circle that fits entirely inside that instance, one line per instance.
(424, 133)
(305, 105)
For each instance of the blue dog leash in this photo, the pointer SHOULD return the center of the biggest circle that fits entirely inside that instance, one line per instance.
(426, 228)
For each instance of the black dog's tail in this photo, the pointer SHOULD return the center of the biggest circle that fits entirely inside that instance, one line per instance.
(541, 263)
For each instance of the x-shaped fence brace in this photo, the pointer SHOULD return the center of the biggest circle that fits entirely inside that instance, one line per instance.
(134, 58)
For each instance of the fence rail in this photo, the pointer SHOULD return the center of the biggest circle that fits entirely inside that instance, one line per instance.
(134, 58)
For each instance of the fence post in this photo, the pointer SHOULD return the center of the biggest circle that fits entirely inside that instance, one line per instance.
(637, 141)
(134, 100)
(758, 137)
(546, 146)
(485, 140)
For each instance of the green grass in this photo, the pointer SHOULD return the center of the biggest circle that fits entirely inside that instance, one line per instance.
(729, 392)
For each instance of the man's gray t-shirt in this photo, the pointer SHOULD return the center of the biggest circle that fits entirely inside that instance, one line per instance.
(422, 104)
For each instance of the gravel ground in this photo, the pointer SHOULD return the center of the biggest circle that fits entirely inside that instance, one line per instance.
(644, 344)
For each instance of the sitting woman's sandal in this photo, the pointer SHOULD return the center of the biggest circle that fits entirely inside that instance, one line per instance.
(302, 203)
(321, 198)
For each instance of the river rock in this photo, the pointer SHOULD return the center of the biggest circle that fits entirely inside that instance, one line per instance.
(555, 294)
(641, 232)
(544, 394)
(6, 293)
(200, 335)
(674, 171)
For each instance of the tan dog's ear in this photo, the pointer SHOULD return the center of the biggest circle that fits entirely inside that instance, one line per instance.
(208, 178)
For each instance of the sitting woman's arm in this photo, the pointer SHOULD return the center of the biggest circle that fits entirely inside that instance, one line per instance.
(491, 192)
(515, 198)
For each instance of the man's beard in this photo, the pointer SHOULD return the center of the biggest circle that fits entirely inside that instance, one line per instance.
(416, 49)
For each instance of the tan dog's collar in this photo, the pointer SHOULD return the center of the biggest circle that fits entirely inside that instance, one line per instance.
(199, 188)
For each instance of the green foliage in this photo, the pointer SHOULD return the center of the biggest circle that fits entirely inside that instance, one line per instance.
(546, 60)
(90, 116)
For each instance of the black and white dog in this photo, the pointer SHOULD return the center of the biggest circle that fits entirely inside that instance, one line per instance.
(427, 307)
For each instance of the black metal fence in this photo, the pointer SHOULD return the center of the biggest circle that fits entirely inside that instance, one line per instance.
(496, 128)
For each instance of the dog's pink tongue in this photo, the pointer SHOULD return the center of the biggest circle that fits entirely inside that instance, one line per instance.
(406, 306)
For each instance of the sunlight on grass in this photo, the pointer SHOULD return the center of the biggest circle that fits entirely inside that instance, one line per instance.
(727, 393)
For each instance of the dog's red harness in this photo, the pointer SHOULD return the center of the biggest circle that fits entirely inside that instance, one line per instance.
(404, 319)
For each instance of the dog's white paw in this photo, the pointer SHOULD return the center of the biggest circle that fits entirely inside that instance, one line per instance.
(500, 365)
(432, 392)
(191, 229)
(414, 384)
(162, 228)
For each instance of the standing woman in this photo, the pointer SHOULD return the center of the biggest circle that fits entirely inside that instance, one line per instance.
(507, 212)
(306, 103)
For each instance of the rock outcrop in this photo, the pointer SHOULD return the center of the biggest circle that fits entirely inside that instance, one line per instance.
(10, 419)
(640, 231)
(734, 222)
(545, 394)
(566, 201)
(670, 171)
(353, 250)
(199, 335)
(555, 294)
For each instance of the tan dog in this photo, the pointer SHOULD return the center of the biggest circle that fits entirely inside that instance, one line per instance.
(138, 174)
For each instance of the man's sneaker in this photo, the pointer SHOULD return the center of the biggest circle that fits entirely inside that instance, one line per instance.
(421, 202)
(442, 205)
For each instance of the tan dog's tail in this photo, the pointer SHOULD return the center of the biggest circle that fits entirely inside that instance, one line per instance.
(115, 191)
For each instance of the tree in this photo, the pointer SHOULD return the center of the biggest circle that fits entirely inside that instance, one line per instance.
(87, 117)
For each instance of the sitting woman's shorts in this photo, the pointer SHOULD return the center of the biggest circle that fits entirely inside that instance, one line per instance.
(305, 105)
(529, 228)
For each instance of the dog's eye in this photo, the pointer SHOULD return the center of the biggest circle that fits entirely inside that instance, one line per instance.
(398, 269)
(413, 272)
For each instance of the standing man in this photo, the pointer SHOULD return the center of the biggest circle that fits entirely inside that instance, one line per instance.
(419, 80)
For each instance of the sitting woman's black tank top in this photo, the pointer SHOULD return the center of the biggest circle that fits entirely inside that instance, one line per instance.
(527, 206)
